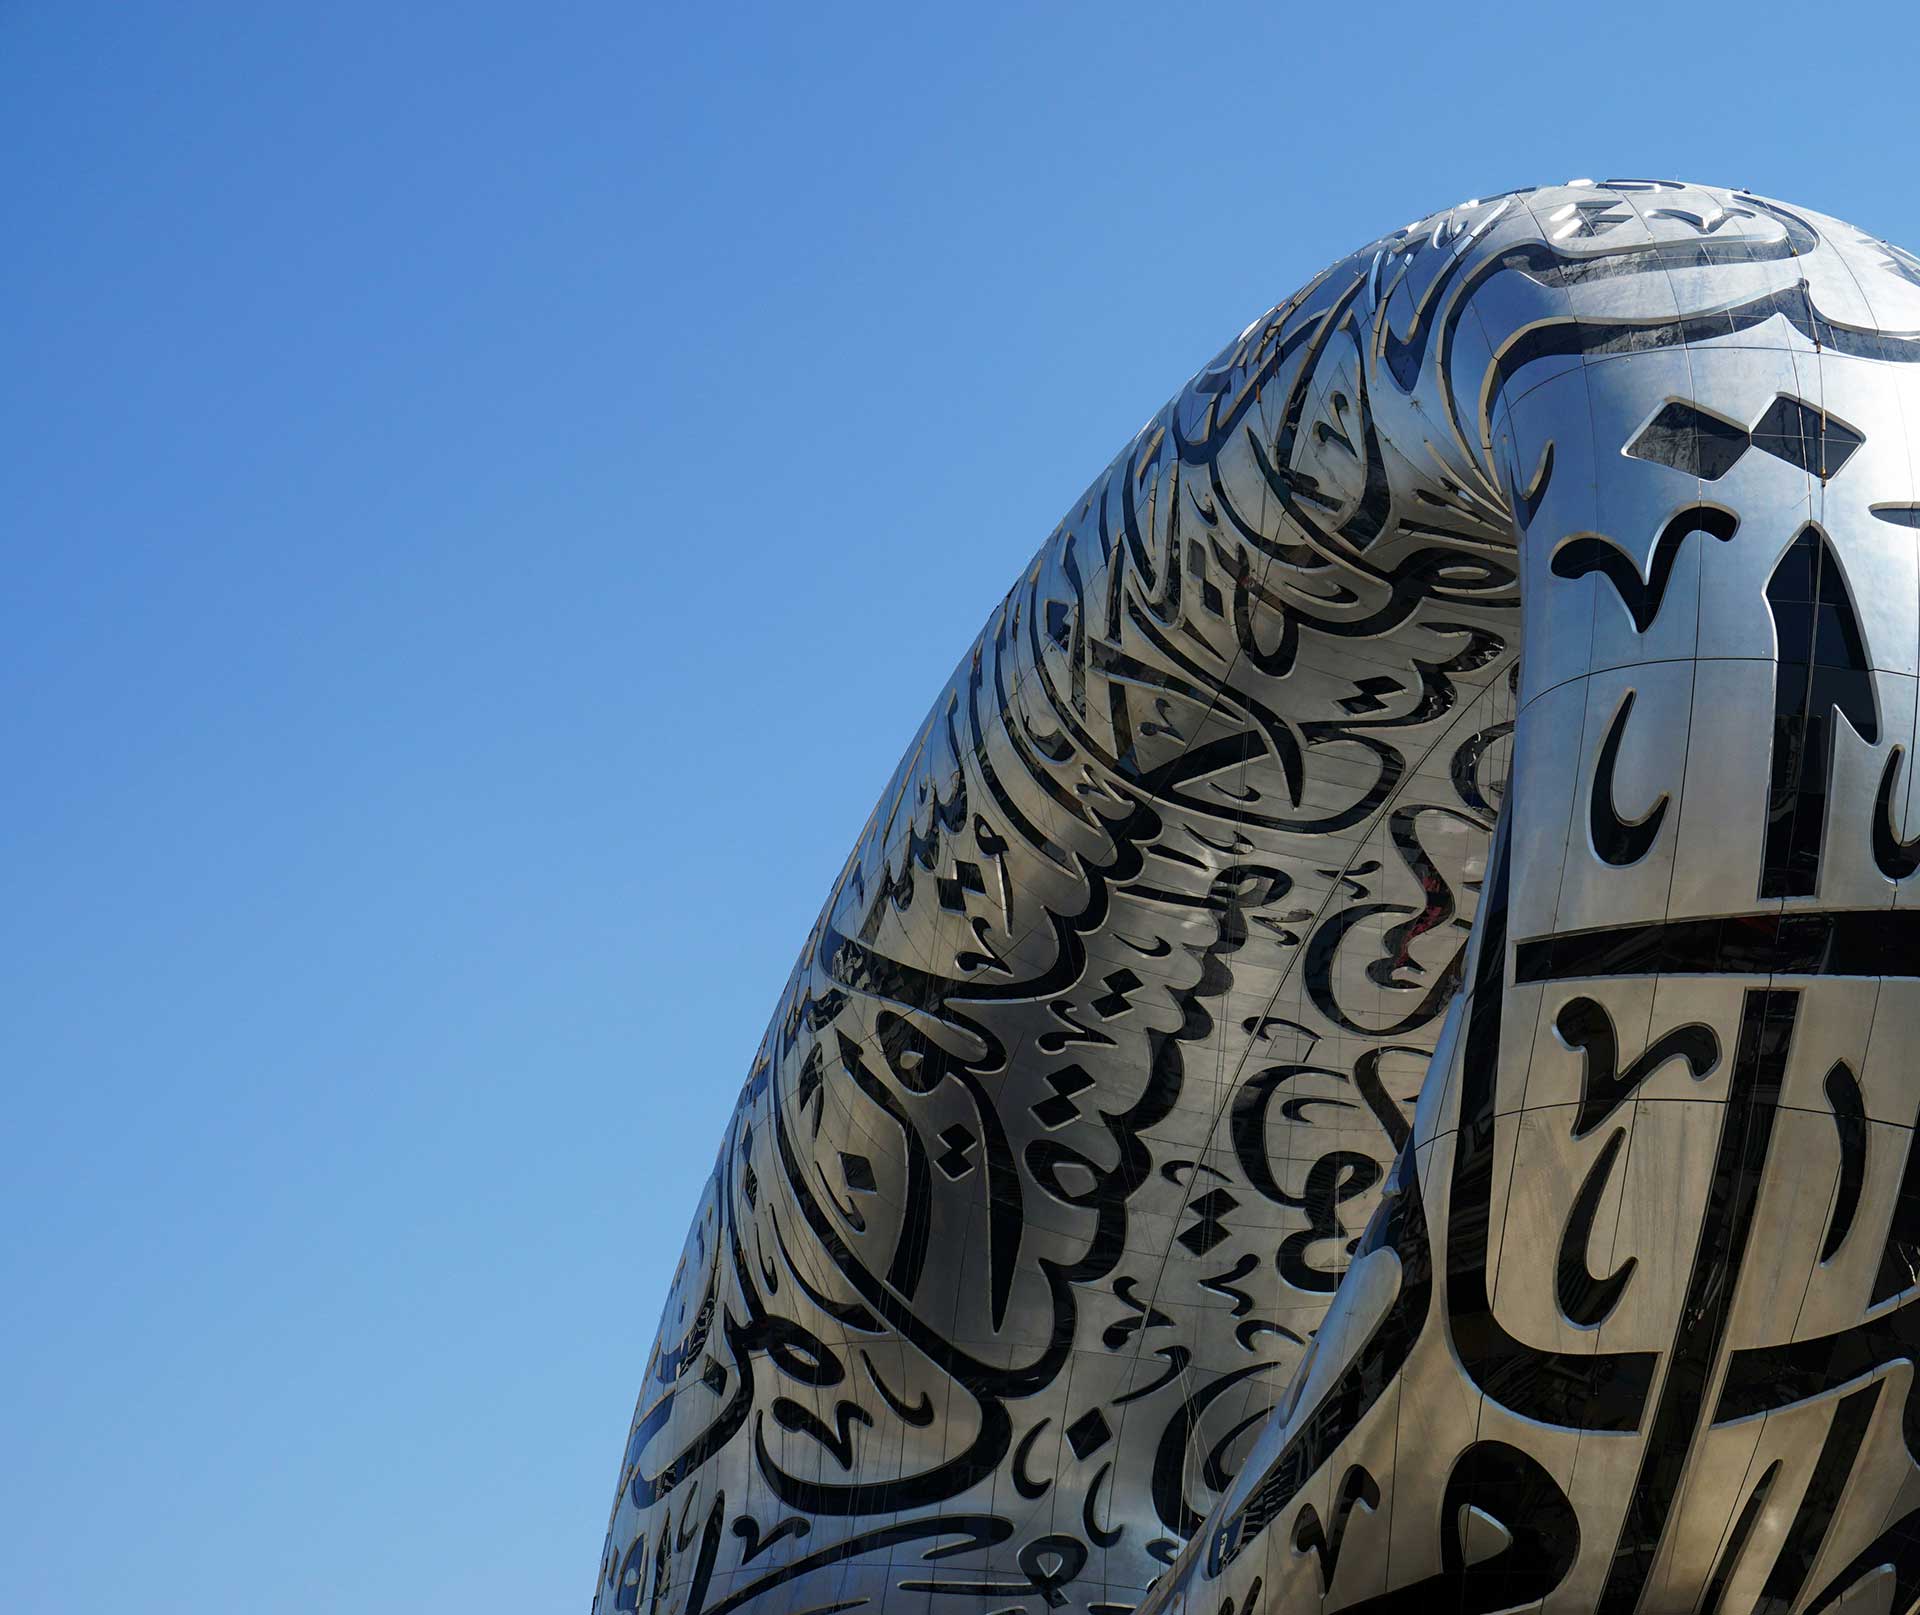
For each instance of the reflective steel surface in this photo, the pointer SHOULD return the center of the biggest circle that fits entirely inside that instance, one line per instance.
(1146, 1195)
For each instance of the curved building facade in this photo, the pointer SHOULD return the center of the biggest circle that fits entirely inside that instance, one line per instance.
(1367, 1057)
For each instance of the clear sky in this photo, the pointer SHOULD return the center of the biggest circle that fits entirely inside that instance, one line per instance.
(486, 494)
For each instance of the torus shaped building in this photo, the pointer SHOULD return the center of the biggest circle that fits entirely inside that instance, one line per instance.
(1367, 1058)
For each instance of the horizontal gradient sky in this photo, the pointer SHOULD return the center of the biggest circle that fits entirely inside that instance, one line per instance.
(488, 492)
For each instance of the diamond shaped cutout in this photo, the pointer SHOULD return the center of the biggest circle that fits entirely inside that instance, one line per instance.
(1060, 1109)
(1794, 431)
(960, 1142)
(1689, 439)
(1089, 1433)
(1208, 1229)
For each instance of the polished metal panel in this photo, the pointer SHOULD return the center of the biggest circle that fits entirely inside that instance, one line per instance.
(1147, 1195)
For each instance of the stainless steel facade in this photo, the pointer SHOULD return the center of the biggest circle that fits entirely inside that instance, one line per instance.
(1297, 1102)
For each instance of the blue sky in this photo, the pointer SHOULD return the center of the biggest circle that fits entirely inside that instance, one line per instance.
(488, 491)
